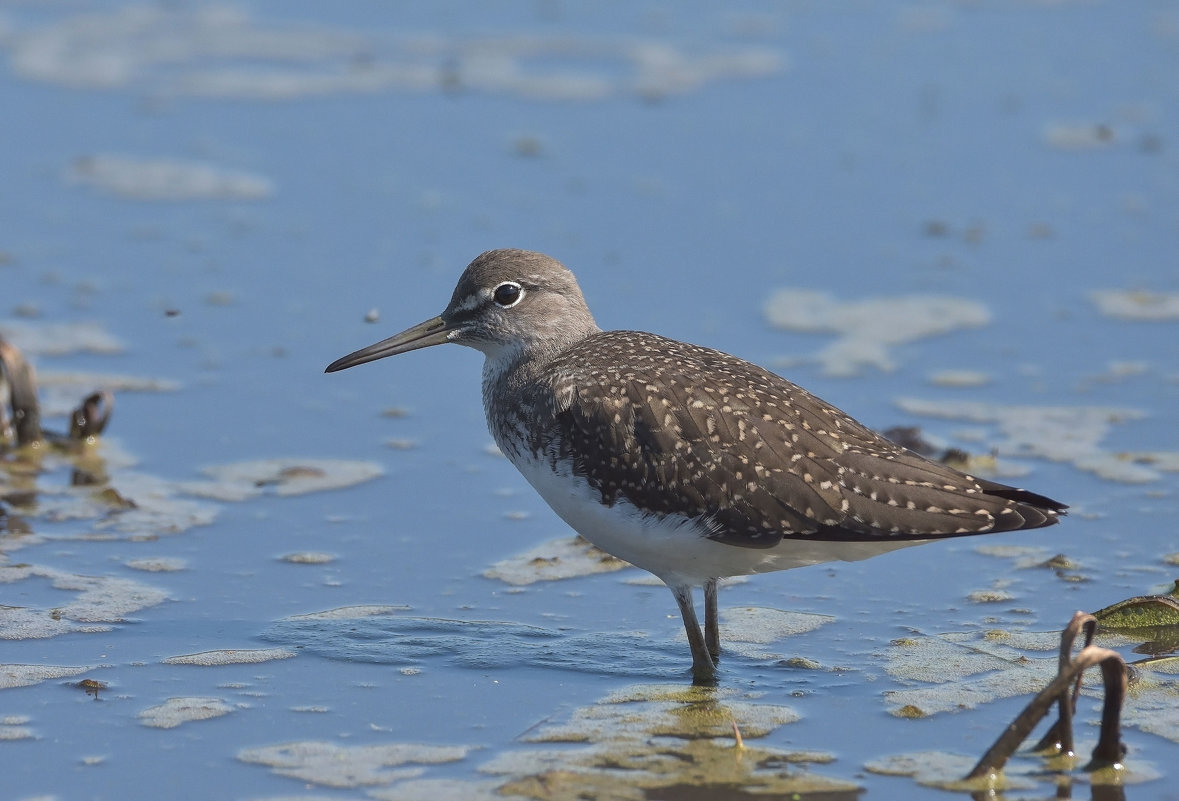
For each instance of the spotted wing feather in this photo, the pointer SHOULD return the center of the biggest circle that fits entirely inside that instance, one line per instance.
(679, 429)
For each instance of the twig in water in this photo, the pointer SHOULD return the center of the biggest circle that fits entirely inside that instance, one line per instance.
(1109, 750)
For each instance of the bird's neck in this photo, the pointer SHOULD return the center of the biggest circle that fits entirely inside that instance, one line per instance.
(514, 391)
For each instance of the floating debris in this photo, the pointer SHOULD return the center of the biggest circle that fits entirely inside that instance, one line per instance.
(1131, 304)
(231, 656)
(1121, 370)
(60, 339)
(158, 564)
(220, 297)
(352, 612)
(101, 599)
(329, 765)
(746, 630)
(528, 146)
(242, 480)
(563, 558)
(143, 178)
(964, 670)
(1079, 136)
(22, 623)
(938, 660)
(139, 507)
(308, 558)
(176, 711)
(1070, 434)
(13, 727)
(1024, 556)
(960, 378)
(222, 52)
(436, 790)
(56, 385)
(868, 328)
(28, 675)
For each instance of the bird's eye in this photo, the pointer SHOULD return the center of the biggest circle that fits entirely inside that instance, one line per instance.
(508, 294)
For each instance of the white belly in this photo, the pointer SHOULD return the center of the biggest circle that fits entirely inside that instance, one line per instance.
(674, 548)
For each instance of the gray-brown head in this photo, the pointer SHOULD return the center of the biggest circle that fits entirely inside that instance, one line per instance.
(506, 302)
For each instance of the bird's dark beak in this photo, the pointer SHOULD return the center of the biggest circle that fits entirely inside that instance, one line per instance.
(432, 332)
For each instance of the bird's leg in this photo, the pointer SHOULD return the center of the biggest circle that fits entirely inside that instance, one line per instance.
(711, 624)
(703, 668)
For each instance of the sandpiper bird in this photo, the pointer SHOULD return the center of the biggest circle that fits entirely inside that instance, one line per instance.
(685, 461)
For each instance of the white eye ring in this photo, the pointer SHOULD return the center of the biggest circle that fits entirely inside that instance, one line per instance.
(508, 294)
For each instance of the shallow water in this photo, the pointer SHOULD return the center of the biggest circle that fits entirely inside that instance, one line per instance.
(202, 205)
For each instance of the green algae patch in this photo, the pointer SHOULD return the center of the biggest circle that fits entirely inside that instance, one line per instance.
(655, 740)
(1148, 611)
(666, 710)
(956, 672)
(641, 741)
(960, 671)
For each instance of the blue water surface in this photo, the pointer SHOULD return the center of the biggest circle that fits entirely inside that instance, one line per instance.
(686, 161)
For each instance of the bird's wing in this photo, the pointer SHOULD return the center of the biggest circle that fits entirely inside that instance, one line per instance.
(766, 461)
